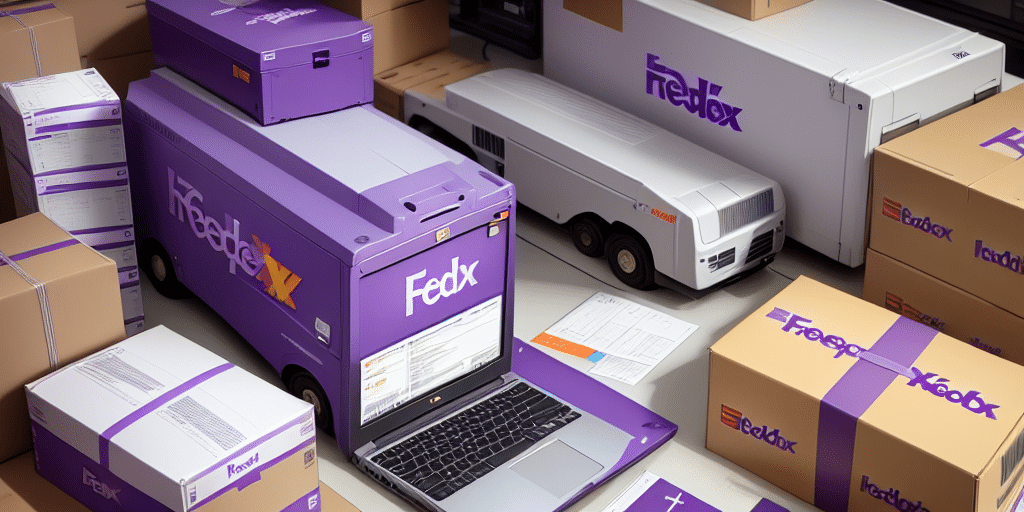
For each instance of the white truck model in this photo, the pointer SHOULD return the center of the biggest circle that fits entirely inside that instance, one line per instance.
(654, 204)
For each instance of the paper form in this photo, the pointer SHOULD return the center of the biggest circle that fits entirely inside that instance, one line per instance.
(624, 339)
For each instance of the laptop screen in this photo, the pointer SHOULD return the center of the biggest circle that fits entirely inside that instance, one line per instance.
(430, 359)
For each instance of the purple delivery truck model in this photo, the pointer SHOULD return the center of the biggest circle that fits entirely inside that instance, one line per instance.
(322, 241)
(275, 59)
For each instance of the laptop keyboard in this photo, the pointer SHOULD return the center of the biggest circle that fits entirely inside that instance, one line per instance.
(450, 455)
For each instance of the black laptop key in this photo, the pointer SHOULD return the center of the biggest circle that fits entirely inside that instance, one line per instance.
(429, 482)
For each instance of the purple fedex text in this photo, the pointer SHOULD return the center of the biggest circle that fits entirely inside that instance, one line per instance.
(1005, 259)
(925, 224)
(930, 382)
(771, 437)
(1012, 138)
(891, 497)
(668, 84)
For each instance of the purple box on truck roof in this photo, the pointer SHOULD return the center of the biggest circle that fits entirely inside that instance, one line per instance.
(322, 240)
(275, 59)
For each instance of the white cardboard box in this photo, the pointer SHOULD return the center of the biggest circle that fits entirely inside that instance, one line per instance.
(801, 96)
(66, 159)
(157, 422)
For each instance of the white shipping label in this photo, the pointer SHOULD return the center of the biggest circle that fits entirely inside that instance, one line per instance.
(77, 148)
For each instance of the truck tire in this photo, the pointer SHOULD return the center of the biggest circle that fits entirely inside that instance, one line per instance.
(588, 236)
(159, 267)
(305, 386)
(630, 261)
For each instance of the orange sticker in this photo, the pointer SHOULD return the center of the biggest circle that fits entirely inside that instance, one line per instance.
(554, 342)
(239, 73)
(280, 282)
(671, 219)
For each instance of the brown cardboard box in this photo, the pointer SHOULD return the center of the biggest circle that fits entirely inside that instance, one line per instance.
(443, 67)
(946, 199)
(37, 39)
(333, 502)
(753, 9)
(408, 33)
(108, 28)
(905, 290)
(121, 71)
(81, 288)
(365, 9)
(838, 401)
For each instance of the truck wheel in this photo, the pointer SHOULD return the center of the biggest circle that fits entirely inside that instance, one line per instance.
(160, 269)
(630, 261)
(305, 386)
(587, 236)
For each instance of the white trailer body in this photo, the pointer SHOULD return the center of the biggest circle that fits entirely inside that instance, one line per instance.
(701, 218)
(802, 96)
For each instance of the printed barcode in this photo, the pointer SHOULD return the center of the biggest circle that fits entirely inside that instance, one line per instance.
(1012, 457)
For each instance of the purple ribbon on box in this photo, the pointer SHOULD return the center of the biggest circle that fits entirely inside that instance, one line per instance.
(14, 13)
(40, 287)
(850, 397)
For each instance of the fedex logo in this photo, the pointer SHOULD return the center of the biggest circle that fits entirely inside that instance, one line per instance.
(897, 212)
(98, 487)
(930, 382)
(279, 16)
(1005, 259)
(1009, 143)
(668, 84)
(735, 419)
(895, 303)
(890, 497)
(238, 469)
(450, 283)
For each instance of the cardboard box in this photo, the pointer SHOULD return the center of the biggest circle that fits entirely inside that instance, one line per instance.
(753, 9)
(274, 59)
(108, 28)
(35, 37)
(365, 9)
(943, 307)
(437, 70)
(845, 404)
(946, 201)
(22, 489)
(160, 422)
(79, 305)
(408, 33)
(121, 71)
(66, 157)
(801, 97)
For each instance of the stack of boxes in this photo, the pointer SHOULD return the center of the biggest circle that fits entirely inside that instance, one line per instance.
(944, 247)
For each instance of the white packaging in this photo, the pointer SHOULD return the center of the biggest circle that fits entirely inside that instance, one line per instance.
(802, 96)
(157, 420)
(66, 158)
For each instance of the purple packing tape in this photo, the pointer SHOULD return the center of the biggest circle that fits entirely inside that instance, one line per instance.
(42, 250)
(153, 405)
(31, 30)
(26, 10)
(850, 397)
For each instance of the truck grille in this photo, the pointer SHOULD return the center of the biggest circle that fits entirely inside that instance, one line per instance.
(761, 246)
(745, 212)
(489, 142)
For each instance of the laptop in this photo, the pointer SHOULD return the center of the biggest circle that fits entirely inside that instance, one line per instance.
(564, 433)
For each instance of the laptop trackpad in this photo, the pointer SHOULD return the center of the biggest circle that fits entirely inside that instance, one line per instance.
(557, 468)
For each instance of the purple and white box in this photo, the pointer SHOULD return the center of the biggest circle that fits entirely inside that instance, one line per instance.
(158, 423)
(66, 156)
(274, 59)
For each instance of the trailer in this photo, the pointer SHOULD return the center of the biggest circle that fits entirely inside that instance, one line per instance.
(321, 240)
(802, 96)
(654, 204)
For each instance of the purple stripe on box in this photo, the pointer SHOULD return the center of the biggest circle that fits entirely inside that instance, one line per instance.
(133, 320)
(41, 137)
(154, 404)
(848, 399)
(97, 123)
(308, 503)
(60, 189)
(103, 229)
(129, 284)
(118, 245)
(80, 106)
(27, 10)
(42, 250)
(83, 168)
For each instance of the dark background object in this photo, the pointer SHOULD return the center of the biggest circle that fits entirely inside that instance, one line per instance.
(511, 24)
(999, 19)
